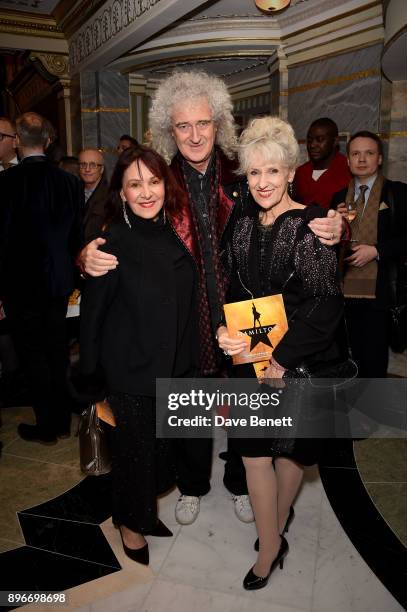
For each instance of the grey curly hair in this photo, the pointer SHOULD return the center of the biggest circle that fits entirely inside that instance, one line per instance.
(182, 86)
(270, 137)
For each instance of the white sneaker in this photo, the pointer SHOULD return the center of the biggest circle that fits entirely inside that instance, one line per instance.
(187, 509)
(243, 508)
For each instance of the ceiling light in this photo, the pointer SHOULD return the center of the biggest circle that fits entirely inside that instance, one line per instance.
(272, 6)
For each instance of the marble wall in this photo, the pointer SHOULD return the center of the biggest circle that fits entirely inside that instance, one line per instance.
(345, 87)
(275, 83)
(397, 135)
(105, 112)
(76, 115)
(252, 106)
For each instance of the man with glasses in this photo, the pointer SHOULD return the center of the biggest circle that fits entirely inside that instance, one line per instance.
(8, 157)
(92, 173)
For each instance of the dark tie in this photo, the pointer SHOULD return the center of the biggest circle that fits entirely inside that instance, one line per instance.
(360, 202)
(360, 206)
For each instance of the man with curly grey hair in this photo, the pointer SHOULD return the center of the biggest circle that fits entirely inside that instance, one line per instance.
(192, 125)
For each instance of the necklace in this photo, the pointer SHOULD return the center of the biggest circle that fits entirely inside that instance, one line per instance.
(263, 216)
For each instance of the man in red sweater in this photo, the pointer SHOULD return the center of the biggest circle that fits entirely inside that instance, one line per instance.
(327, 170)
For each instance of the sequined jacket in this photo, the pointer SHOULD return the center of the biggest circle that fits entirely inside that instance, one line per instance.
(289, 259)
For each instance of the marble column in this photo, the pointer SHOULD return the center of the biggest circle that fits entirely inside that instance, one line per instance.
(138, 105)
(75, 114)
(105, 112)
(385, 118)
(396, 167)
(278, 70)
(64, 114)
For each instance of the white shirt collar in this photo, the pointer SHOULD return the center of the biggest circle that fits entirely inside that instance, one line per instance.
(369, 184)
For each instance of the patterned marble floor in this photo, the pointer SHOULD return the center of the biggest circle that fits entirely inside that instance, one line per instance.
(202, 566)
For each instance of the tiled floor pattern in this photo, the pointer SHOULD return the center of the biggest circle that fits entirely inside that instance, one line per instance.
(202, 566)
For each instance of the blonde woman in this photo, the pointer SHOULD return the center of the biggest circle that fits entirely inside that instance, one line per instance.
(274, 251)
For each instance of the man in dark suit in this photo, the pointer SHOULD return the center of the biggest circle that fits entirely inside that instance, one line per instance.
(40, 232)
(379, 242)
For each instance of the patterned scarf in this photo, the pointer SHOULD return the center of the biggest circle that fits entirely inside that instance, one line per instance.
(361, 282)
(210, 355)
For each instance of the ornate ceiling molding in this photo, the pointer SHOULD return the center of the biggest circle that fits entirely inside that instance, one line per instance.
(106, 24)
(232, 16)
(260, 61)
(270, 27)
(57, 65)
(323, 11)
(217, 56)
(71, 15)
(28, 24)
(200, 37)
(300, 31)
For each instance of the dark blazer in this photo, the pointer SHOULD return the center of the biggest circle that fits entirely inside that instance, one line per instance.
(40, 229)
(94, 216)
(391, 234)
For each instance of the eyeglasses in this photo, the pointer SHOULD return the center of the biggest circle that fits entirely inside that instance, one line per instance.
(90, 165)
(201, 125)
(3, 136)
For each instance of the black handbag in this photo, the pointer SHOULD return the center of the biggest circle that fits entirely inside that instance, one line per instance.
(94, 443)
(398, 288)
(333, 374)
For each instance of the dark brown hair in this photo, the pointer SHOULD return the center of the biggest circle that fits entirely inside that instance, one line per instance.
(366, 134)
(132, 141)
(157, 166)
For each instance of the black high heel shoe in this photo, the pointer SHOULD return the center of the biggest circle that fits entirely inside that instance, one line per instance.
(252, 582)
(140, 555)
(160, 531)
(288, 522)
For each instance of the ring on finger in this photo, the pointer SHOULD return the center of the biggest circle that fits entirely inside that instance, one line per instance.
(226, 352)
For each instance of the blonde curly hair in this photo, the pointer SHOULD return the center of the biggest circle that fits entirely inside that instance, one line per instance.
(180, 87)
(270, 137)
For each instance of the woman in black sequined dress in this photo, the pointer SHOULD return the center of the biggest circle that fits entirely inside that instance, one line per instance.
(274, 251)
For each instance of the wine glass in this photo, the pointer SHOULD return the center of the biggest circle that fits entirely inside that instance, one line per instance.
(352, 211)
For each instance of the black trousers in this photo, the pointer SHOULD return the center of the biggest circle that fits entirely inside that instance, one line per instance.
(142, 465)
(38, 329)
(368, 331)
(194, 465)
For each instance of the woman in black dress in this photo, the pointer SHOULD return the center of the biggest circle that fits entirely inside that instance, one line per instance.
(273, 251)
(137, 324)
